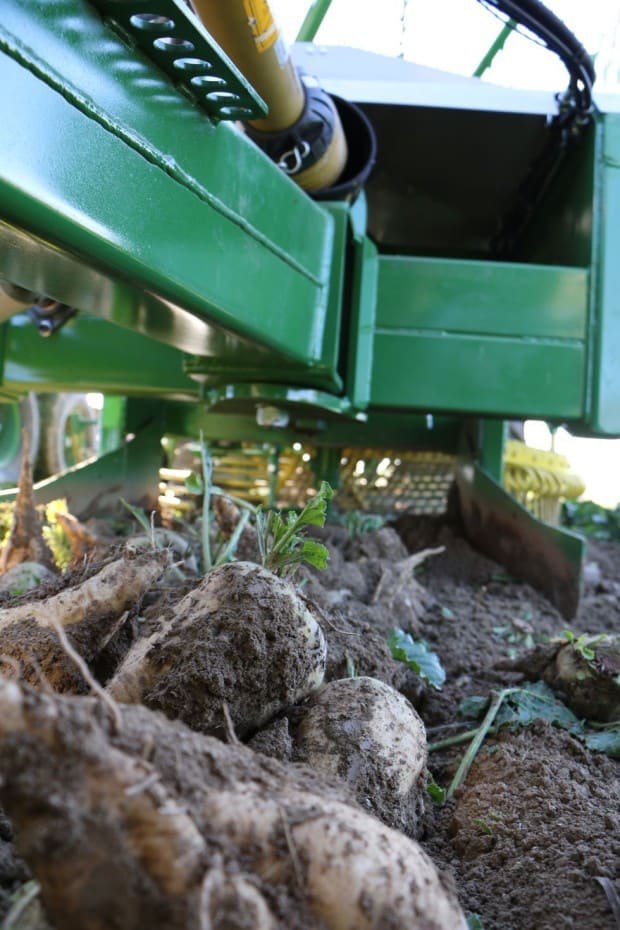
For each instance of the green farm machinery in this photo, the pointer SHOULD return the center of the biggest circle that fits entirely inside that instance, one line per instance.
(332, 252)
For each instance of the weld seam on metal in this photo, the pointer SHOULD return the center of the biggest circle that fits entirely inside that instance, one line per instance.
(485, 337)
(11, 45)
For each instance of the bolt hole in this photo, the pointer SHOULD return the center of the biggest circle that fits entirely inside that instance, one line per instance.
(223, 97)
(152, 22)
(172, 44)
(210, 81)
(192, 64)
(234, 112)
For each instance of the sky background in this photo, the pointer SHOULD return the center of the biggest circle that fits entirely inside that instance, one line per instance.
(453, 35)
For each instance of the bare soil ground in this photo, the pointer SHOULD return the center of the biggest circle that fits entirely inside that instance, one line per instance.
(536, 824)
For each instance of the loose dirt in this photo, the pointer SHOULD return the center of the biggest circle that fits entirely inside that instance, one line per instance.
(537, 822)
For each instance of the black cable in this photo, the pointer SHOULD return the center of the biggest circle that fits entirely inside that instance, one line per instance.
(575, 108)
(558, 38)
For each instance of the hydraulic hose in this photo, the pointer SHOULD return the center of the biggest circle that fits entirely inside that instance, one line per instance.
(559, 39)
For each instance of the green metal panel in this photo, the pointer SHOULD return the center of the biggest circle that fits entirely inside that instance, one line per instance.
(547, 557)
(381, 430)
(362, 319)
(482, 375)
(298, 402)
(491, 444)
(605, 417)
(332, 328)
(313, 19)
(482, 298)
(480, 337)
(131, 471)
(124, 197)
(91, 355)
(559, 230)
(70, 49)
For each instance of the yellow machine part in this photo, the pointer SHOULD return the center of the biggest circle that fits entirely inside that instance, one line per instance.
(540, 480)
(379, 480)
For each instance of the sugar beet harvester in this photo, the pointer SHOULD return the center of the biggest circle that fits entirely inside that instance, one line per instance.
(468, 280)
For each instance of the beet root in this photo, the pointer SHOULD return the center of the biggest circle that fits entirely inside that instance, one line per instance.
(200, 832)
(242, 642)
(90, 613)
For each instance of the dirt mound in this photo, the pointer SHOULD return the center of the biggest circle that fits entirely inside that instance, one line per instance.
(526, 838)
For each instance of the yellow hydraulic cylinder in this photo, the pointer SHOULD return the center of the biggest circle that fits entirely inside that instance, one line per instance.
(302, 131)
(249, 35)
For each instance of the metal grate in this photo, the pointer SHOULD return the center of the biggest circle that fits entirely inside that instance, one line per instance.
(381, 481)
(378, 481)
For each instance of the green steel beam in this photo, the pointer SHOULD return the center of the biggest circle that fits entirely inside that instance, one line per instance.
(89, 354)
(313, 20)
(480, 337)
(605, 417)
(491, 444)
(361, 312)
(382, 429)
(107, 171)
(547, 557)
(495, 48)
(132, 472)
(296, 402)
(483, 298)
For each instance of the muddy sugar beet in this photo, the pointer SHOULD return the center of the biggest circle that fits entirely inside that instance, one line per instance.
(365, 732)
(200, 836)
(242, 640)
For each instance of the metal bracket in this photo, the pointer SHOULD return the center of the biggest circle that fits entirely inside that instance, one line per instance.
(169, 34)
(269, 402)
(547, 557)
(130, 471)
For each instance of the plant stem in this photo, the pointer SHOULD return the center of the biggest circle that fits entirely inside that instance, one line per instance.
(231, 546)
(498, 699)
(207, 469)
(244, 505)
(455, 740)
(20, 901)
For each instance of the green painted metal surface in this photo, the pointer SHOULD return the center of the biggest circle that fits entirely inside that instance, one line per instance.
(69, 49)
(317, 11)
(560, 228)
(171, 36)
(381, 429)
(605, 417)
(10, 429)
(361, 315)
(489, 452)
(131, 472)
(495, 48)
(89, 354)
(241, 398)
(211, 250)
(480, 337)
(547, 557)
(482, 298)
(117, 196)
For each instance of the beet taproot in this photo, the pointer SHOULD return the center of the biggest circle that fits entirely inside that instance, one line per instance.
(242, 642)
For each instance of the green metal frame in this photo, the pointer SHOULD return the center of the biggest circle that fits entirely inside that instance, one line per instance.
(313, 19)
(548, 557)
(167, 244)
(211, 287)
(481, 337)
(221, 276)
